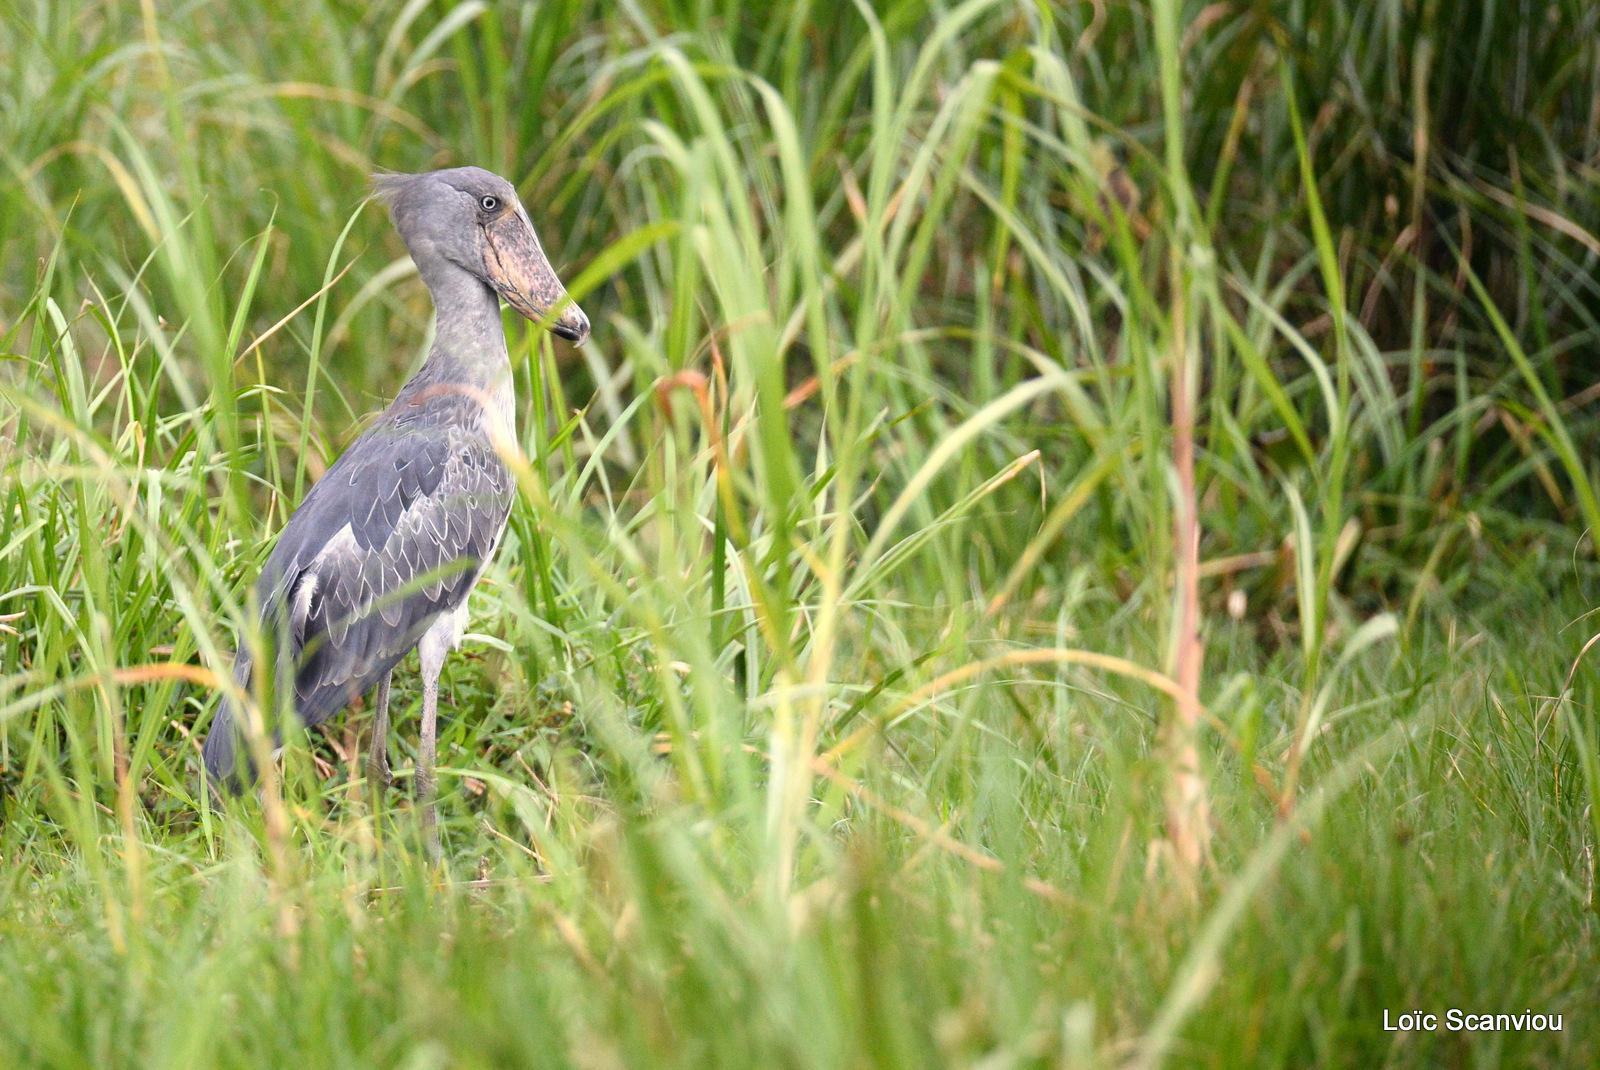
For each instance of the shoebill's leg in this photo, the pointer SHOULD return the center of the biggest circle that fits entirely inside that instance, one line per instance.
(378, 774)
(426, 744)
(436, 643)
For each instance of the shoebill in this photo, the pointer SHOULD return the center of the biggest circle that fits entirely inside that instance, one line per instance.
(382, 553)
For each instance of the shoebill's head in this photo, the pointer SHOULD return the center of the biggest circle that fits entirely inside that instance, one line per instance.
(470, 219)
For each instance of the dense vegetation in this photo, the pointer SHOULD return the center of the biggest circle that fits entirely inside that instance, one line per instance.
(827, 704)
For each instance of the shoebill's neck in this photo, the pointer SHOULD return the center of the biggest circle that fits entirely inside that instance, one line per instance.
(470, 342)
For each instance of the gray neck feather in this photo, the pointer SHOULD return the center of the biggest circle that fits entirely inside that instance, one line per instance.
(469, 342)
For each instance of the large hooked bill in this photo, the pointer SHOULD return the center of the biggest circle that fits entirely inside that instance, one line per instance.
(518, 269)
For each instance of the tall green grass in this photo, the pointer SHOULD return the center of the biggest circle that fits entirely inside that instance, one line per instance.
(824, 703)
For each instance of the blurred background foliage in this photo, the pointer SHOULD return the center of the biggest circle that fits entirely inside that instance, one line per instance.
(1441, 139)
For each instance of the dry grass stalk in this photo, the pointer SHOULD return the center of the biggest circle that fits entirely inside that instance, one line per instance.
(1188, 813)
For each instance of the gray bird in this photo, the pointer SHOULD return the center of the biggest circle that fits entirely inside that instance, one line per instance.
(383, 551)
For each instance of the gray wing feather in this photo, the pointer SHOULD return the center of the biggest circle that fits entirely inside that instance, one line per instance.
(371, 603)
(422, 494)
